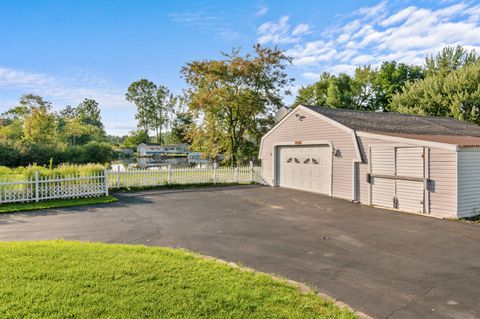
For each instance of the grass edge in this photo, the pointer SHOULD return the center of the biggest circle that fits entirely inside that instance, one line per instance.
(56, 203)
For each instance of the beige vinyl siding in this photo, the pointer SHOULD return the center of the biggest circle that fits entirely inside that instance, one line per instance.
(310, 127)
(443, 168)
(468, 183)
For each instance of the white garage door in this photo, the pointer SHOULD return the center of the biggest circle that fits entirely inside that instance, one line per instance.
(397, 178)
(305, 168)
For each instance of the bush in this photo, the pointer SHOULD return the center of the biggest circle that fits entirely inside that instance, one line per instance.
(9, 155)
(62, 170)
(92, 152)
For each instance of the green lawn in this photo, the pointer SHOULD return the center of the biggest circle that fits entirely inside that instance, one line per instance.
(58, 203)
(59, 279)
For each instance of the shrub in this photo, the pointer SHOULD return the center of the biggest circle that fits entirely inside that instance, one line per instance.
(62, 170)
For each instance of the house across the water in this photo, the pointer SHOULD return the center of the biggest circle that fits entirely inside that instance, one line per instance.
(156, 149)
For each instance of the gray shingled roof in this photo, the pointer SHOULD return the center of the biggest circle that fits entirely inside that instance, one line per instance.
(389, 122)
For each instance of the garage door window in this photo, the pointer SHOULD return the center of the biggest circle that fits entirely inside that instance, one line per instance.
(306, 161)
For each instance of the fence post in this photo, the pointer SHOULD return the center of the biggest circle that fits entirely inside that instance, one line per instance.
(251, 172)
(235, 174)
(36, 186)
(169, 174)
(214, 172)
(107, 181)
(118, 177)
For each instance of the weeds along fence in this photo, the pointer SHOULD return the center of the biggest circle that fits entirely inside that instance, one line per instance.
(39, 188)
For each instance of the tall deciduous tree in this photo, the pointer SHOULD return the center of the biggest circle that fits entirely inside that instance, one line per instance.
(369, 89)
(391, 78)
(162, 107)
(40, 127)
(449, 59)
(229, 97)
(89, 113)
(154, 105)
(455, 95)
(181, 127)
(142, 93)
(450, 88)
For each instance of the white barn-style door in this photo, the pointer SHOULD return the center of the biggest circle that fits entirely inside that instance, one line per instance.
(397, 178)
(305, 168)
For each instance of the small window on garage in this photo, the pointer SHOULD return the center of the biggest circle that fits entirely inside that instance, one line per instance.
(289, 160)
(314, 161)
(306, 161)
(297, 161)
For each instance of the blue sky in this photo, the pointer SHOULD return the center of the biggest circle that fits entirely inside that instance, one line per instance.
(69, 50)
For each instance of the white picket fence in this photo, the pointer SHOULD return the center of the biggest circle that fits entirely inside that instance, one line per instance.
(181, 175)
(38, 188)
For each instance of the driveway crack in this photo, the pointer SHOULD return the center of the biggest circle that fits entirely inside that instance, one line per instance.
(415, 299)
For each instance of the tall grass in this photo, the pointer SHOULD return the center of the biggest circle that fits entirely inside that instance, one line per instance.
(62, 170)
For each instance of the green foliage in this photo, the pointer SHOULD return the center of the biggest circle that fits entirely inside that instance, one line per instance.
(449, 59)
(58, 279)
(135, 138)
(390, 79)
(369, 89)
(142, 94)
(230, 95)
(39, 127)
(62, 170)
(88, 113)
(32, 133)
(154, 104)
(456, 94)
(181, 128)
(92, 152)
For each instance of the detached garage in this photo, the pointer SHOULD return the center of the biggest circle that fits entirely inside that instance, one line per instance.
(419, 164)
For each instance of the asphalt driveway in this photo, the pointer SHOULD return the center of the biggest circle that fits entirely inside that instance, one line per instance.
(384, 263)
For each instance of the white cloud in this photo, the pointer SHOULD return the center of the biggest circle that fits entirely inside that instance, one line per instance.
(212, 22)
(398, 17)
(374, 34)
(71, 89)
(11, 78)
(300, 29)
(262, 11)
(280, 32)
(373, 11)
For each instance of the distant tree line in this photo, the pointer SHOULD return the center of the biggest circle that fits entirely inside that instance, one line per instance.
(448, 84)
(32, 133)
